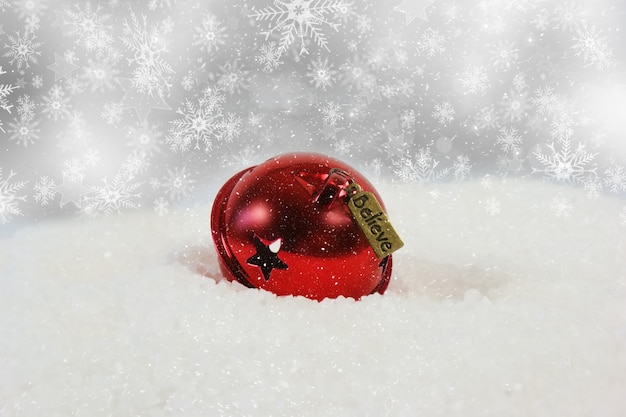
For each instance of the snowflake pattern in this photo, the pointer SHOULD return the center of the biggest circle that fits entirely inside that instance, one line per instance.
(299, 20)
(9, 200)
(113, 196)
(422, 169)
(503, 88)
(22, 49)
(147, 44)
(201, 123)
(45, 190)
(566, 165)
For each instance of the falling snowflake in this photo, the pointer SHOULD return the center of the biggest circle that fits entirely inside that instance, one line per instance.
(144, 139)
(56, 104)
(562, 127)
(201, 122)
(74, 170)
(475, 80)
(233, 78)
(37, 82)
(269, 57)
(407, 119)
(509, 139)
(566, 165)
(357, 74)
(45, 190)
(321, 73)
(545, 100)
(422, 169)
(100, 74)
(444, 113)
(230, 127)
(22, 50)
(161, 206)
(504, 54)
(615, 179)
(24, 131)
(561, 206)
(210, 35)
(461, 167)
(431, 43)
(26, 107)
(568, 15)
(300, 19)
(90, 27)
(332, 113)
(151, 75)
(593, 48)
(177, 184)
(113, 196)
(492, 206)
(112, 112)
(8, 199)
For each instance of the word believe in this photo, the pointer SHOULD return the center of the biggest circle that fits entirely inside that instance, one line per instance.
(371, 218)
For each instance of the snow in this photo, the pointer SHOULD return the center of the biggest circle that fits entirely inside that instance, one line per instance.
(515, 312)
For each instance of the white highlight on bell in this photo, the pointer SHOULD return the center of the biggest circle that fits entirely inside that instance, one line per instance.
(275, 245)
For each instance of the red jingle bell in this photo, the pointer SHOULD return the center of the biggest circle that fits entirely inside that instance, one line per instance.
(286, 226)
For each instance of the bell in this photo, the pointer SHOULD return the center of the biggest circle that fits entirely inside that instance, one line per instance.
(285, 226)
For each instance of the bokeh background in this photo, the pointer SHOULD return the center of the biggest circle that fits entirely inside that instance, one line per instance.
(114, 106)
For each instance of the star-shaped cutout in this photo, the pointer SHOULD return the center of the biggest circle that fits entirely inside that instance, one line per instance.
(266, 257)
(62, 68)
(414, 9)
(72, 192)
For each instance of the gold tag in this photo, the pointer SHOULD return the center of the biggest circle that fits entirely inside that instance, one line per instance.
(371, 218)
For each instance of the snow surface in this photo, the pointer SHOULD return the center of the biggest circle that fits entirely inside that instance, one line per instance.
(520, 313)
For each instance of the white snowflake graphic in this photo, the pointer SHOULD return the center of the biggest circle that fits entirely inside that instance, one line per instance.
(269, 57)
(161, 206)
(300, 20)
(444, 113)
(89, 26)
(202, 122)
(8, 199)
(24, 131)
(593, 48)
(615, 179)
(321, 74)
(177, 184)
(545, 100)
(210, 35)
(509, 139)
(45, 190)
(233, 78)
(566, 165)
(113, 196)
(561, 206)
(492, 206)
(332, 113)
(22, 49)
(431, 43)
(504, 55)
(475, 80)
(56, 104)
(152, 73)
(422, 169)
(461, 167)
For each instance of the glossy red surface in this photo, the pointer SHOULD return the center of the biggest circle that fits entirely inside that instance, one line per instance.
(284, 226)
